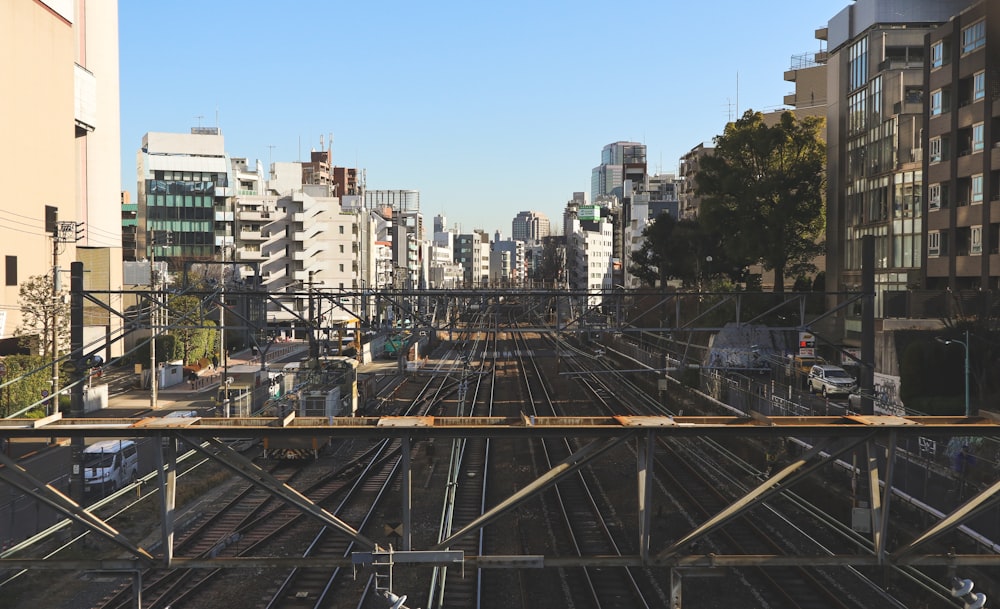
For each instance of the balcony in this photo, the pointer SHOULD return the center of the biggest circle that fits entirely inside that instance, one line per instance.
(255, 215)
(252, 235)
(244, 255)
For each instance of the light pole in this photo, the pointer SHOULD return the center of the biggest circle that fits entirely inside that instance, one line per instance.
(966, 346)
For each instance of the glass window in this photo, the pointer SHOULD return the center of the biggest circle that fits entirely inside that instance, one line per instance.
(977, 188)
(934, 196)
(936, 102)
(876, 99)
(979, 85)
(935, 150)
(933, 243)
(10, 278)
(976, 240)
(858, 64)
(974, 36)
(937, 54)
(977, 137)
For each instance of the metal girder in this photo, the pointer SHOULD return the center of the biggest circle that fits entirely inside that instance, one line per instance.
(985, 499)
(568, 466)
(247, 469)
(17, 476)
(531, 561)
(799, 467)
(449, 427)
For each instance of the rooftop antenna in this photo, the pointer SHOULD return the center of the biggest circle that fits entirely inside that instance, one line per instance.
(270, 149)
(321, 146)
(737, 95)
(216, 118)
(199, 117)
(329, 144)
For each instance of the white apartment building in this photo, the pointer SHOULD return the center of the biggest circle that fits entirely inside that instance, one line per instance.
(508, 262)
(443, 271)
(590, 254)
(299, 237)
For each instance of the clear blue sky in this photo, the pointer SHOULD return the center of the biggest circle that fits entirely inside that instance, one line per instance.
(487, 109)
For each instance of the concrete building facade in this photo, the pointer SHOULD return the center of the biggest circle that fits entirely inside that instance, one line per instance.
(184, 196)
(530, 226)
(875, 171)
(61, 149)
(962, 163)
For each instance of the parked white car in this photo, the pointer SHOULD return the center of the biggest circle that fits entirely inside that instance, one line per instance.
(831, 380)
(110, 464)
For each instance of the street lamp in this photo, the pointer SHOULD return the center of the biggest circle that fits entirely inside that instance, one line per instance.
(965, 344)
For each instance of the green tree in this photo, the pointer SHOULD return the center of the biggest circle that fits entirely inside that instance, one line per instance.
(40, 309)
(28, 389)
(762, 191)
(191, 342)
(551, 268)
(684, 250)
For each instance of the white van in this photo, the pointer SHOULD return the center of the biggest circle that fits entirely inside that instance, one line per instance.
(110, 464)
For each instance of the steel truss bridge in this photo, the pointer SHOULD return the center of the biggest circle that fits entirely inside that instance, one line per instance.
(832, 437)
(615, 310)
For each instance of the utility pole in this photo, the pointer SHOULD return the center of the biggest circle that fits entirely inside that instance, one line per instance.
(62, 233)
(154, 380)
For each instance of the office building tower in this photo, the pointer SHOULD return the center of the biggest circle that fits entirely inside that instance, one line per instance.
(184, 198)
(530, 226)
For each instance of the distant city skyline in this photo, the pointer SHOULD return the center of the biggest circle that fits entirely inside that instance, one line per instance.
(485, 110)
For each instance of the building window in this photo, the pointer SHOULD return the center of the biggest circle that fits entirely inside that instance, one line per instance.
(341, 268)
(978, 85)
(977, 188)
(933, 244)
(341, 227)
(973, 36)
(940, 102)
(977, 137)
(11, 270)
(876, 99)
(934, 196)
(938, 54)
(935, 153)
(858, 64)
(976, 240)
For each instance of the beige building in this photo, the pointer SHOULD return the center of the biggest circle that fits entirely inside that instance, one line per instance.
(59, 66)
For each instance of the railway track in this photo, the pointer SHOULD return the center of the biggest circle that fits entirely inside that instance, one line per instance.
(585, 512)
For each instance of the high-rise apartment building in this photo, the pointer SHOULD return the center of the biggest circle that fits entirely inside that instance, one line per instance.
(962, 159)
(440, 224)
(472, 251)
(875, 170)
(620, 162)
(530, 226)
(184, 196)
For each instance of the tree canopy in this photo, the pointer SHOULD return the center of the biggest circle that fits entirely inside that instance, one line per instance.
(682, 250)
(40, 308)
(762, 192)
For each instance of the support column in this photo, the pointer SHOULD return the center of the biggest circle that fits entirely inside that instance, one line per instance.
(167, 481)
(407, 495)
(645, 475)
(867, 371)
(675, 589)
(874, 494)
(77, 444)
